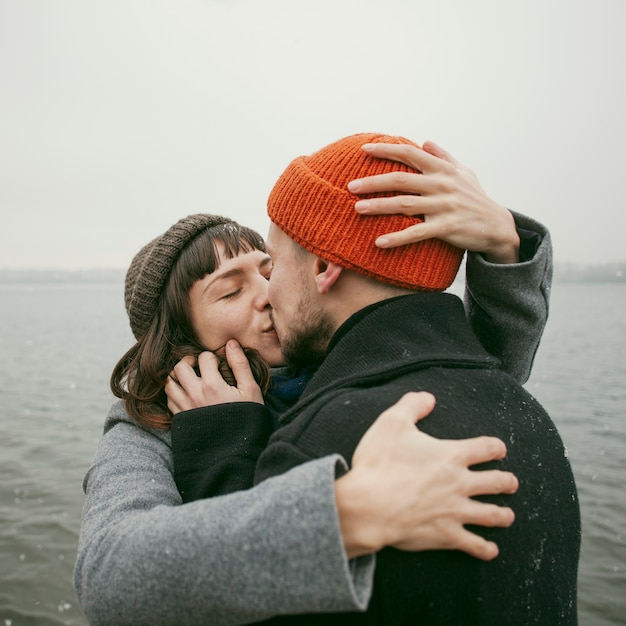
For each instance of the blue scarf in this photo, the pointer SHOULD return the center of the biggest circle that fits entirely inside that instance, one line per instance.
(286, 387)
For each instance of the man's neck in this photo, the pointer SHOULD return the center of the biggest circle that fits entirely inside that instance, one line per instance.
(355, 318)
(354, 292)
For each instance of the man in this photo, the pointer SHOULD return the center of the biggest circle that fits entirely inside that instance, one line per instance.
(379, 326)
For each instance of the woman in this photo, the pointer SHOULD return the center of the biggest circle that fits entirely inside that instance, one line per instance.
(144, 559)
(177, 305)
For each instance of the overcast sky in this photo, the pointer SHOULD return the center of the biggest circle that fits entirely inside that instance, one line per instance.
(118, 117)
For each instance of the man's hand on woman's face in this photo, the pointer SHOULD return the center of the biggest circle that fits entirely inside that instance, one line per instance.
(186, 390)
(446, 194)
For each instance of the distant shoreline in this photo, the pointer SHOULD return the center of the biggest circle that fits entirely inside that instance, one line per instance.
(609, 273)
(62, 276)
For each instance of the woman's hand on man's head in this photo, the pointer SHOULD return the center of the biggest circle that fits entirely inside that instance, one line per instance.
(448, 197)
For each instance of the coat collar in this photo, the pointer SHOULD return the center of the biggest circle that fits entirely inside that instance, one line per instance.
(395, 336)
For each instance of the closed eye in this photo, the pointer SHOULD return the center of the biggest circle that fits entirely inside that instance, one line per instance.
(232, 294)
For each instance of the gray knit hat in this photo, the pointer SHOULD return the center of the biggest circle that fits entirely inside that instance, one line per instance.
(149, 270)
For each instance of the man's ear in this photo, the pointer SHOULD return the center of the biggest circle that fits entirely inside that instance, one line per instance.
(326, 275)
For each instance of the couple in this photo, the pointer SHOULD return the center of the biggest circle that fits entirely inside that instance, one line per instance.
(277, 548)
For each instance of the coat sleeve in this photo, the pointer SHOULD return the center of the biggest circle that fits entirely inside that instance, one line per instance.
(215, 448)
(507, 305)
(146, 558)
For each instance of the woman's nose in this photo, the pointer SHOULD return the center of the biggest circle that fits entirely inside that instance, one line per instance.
(261, 296)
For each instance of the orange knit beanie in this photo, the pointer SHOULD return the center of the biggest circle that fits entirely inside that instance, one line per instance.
(312, 205)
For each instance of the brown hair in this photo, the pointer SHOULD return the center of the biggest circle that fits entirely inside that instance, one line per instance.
(139, 376)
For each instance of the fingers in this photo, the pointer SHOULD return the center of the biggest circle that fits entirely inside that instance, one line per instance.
(476, 546)
(480, 514)
(491, 482)
(239, 364)
(436, 221)
(403, 205)
(207, 363)
(412, 406)
(405, 182)
(184, 369)
(423, 487)
(215, 374)
(393, 433)
(412, 234)
(246, 385)
(183, 366)
(403, 153)
(420, 204)
(489, 515)
(187, 390)
(481, 450)
(177, 399)
(446, 195)
(432, 148)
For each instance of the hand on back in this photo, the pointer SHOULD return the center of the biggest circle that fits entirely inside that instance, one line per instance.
(413, 492)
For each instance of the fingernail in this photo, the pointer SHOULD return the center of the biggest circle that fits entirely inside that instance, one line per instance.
(368, 147)
(232, 344)
(362, 206)
(381, 242)
(354, 185)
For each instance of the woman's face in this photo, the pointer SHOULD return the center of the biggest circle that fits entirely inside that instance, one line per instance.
(232, 303)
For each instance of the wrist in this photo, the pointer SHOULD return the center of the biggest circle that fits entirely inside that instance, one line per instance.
(361, 530)
(504, 254)
(506, 248)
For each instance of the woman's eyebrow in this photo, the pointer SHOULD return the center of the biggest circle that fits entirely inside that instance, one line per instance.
(228, 274)
(236, 271)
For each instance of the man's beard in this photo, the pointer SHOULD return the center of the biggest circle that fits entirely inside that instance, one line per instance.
(306, 339)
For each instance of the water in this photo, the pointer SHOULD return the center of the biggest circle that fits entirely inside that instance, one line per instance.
(59, 343)
(580, 377)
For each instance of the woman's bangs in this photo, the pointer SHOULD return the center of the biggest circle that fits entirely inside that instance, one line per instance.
(237, 239)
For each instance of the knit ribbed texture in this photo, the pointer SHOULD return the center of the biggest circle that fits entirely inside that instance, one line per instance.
(312, 205)
(148, 271)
